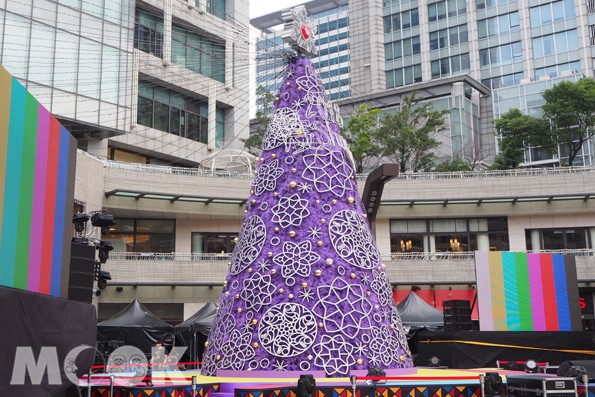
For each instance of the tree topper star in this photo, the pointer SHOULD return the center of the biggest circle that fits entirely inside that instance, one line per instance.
(300, 32)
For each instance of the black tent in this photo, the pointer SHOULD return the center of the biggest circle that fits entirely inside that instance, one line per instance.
(416, 313)
(193, 332)
(135, 326)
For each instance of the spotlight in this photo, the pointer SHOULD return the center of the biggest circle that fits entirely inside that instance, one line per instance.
(375, 371)
(434, 362)
(80, 219)
(102, 219)
(104, 248)
(102, 279)
(492, 384)
(306, 386)
(531, 366)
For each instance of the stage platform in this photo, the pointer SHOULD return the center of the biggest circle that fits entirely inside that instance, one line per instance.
(415, 382)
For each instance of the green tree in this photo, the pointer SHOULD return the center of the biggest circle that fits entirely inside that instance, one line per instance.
(407, 136)
(519, 131)
(266, 99)
(570, 108)
(359, 136)
(456, 164)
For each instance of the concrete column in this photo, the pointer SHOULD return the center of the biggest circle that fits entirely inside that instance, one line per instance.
(98, 148)
(134, 88)
(167, 27)
(212, 116)
(483, 242)
(535, 240)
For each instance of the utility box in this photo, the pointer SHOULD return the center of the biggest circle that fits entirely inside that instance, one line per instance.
(540, 386)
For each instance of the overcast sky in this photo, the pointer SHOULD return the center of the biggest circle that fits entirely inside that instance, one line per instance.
(263, 7)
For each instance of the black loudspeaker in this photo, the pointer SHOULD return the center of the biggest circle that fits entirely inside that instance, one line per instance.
(457, 315)
(306, 386)
(577, 368)
(82, 267)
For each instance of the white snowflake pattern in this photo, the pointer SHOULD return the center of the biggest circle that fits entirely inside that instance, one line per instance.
(263, 265)
(328, 170)
(280, 366)
(290, 211)
(305, 187)
(296, 259)
(365, 279)
(306, 294)
(266, 179)
(314, 232)
(282, 130)
(360, 348)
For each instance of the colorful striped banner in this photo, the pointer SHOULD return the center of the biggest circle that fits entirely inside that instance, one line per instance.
(37, 163)
(517, 291)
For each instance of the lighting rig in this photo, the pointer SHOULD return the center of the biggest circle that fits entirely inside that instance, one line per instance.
(102, 220)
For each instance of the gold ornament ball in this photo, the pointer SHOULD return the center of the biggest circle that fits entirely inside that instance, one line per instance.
(281, 290)
(239, 309)
(262, 159)
(304, 285)
(318, 272)
(251, 191)
(392, 326)
(376, 307)
(360, 361)
(273, 271)
(317, 201)
(298, 132)
(277, 98)
(276, 229)
(254, 322)
(255, 345)
(292, 184)
(237, 296)
(319, 243)
(288, 83)
(273, 156)
(350, 200)
(292, 233)
(320, 325)
(368, 293)
(352, 275)
(206, 344)
(329, 261)
(226, 293)
(334, 201)
(275, 194)
(249, 270)
(270, 254)
(290, 296)
(323, 220)
(294, 170)
(253, 201)
(299, 88)
(402, 358)
(309, 357)
(383, 266)
(218, 357)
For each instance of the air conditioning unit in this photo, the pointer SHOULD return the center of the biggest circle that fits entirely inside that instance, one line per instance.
(568, 72)
(545, 77)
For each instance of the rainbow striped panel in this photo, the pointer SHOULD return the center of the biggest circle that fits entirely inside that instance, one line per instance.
(37, 164)
(517, 291)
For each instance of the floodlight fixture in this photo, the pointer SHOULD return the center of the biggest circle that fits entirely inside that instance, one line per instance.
(80, 220)
(103, 249)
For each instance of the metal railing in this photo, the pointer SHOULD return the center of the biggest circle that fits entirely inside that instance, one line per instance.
(517, 172)
(394, 256)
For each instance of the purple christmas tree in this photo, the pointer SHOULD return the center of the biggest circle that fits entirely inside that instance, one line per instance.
(306, 288)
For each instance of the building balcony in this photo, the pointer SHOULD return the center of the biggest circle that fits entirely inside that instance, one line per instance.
(426, 268)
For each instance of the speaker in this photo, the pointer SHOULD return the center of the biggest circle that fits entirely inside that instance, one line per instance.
(457, 315)
(82, 268)
(577, 368)
(306, 386)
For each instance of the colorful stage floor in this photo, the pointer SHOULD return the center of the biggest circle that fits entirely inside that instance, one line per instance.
(415, 382)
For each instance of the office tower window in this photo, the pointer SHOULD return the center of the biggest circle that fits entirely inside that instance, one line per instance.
(500, 55)
(401, 20)
(172, 112)
(401, 48)
(403, 76)
(481, 4)
(555, 70)
(216, 7)
(450, 66)
(198, 54)
(545, 14)
(333, 25)
(213, 243)
(554, 44)
(449, 37)
(498, 25)
(148, 33)
(442, 9)
(503, 81)
(555, 239)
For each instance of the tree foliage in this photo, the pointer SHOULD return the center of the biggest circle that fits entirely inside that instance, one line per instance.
(359, 134)
(517, 132)
(456, 164)
(266, 99)
(570, 108)
(407, 136)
